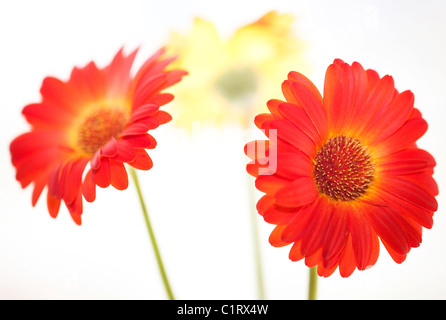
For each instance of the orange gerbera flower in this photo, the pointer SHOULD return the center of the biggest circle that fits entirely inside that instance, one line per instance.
(98, 117)
(344, 170)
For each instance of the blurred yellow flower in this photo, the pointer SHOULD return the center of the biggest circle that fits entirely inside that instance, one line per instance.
(231, 80)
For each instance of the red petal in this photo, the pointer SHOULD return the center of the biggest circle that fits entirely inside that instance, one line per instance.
(336, 236)
(95, 162)
(290, 134)
(378, 101)
(119, 178)
(89, 188)
(74, 180)
(142, 160)
(275, 216)
(43, 115)
(273, 107)
(89, 82)
(397, 257)
(338, 95)
(314, 234)
(117, 74)
(411, 230)
(300, 119)
(151, 79)
(372, 80)
(29, 143)
(138, 128)
(422, 180)
(126, 151)
(102, 176)
(314, 259)
(258, 149)
(58, 93)
(144, 111)
(37, 164)
(39, 185)
(299, 224)
(409, 192)
(270, 184)
(264, 203)
(162, 117)
(265, 162)
(253, 168)
(141, 141)
(147, 86)
(275, 238)
(161, 99)
(304, 94)
(261, 119)
(294, 165)
(53, 205)
(76, 218)
(258, 167)
(390, 117)
(388, 228)
(298, 193)
(110, 149)
(403, 138)
(347, 264)
(75, 208)
(364, 239)
(408, 210)
(322, 271)
(359, 94)
(407, 161)
(306, 85)
(295, 252)
(54, 186)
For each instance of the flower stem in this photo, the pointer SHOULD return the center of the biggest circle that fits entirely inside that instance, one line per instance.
(312, 285)
(255, 238)
(152, 236)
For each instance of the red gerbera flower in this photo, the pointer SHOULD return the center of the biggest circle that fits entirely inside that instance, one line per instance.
(98, 117)
(348, 171)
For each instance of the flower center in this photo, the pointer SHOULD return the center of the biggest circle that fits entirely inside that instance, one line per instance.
(99, 127)
(343, 169)
(237, 84)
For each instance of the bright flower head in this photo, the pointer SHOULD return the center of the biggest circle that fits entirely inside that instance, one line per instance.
(347, 172)
(98, 117)
(229, 78)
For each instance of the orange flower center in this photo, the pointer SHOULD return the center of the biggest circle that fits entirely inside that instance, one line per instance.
(343, 169)
(99, 127)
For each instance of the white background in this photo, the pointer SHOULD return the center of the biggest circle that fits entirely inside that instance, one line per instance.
(196, 191)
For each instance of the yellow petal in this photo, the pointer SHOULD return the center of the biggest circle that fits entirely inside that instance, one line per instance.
(231, 80)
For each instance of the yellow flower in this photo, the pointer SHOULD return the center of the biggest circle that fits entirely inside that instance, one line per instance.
(230, 80)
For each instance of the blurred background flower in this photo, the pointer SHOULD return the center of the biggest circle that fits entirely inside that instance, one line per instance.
(192, 182)
(231, 78)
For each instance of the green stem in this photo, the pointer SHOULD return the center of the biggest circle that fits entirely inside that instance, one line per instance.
(312, 285)
(255, 236)
(152, 236)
